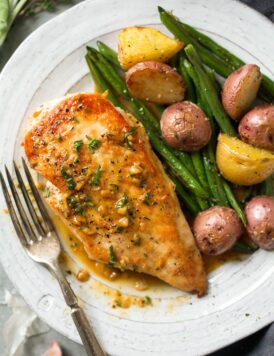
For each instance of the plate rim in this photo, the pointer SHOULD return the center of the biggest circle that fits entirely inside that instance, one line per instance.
(49, 23)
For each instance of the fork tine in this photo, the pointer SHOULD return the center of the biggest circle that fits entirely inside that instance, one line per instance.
(12, 212)
(22, 213)
(32, 211)
(38, 199)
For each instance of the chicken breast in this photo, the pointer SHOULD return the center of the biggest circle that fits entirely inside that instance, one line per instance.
(112, 191)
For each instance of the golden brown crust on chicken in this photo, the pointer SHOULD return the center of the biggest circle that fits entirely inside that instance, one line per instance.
(112, 190)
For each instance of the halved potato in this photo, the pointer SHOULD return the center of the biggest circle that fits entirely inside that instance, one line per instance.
(240, 90)
(241, 163)
(137, 44)
(155, 82)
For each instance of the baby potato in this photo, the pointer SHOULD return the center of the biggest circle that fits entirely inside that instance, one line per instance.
(240, 90)
(185, 126)
(257, 127)
(241, 163)
(260, 221)
(216, 230)
(155, 82)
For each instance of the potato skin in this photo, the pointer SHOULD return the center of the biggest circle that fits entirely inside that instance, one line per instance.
(240, 89)
(185, 126)
(257, 127)
(155, 82)
(216, 230)
(260, 217)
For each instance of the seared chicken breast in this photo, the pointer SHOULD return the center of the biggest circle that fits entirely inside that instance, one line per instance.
(111, 190)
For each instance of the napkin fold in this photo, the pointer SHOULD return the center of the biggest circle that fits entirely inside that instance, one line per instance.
(21, 325)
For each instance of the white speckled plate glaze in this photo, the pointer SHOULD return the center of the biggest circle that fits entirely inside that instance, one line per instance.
(51, 63)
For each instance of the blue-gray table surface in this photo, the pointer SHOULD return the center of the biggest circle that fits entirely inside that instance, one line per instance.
(258, 344)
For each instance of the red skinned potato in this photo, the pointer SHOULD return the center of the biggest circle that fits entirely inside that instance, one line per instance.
(260, 221)
(240, 90)
(257, 127)
(216, 230)
(155, 82)
(185, 126)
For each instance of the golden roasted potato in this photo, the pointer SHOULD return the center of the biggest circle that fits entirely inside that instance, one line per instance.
(156, 82)
(138, 44)
(241, 163)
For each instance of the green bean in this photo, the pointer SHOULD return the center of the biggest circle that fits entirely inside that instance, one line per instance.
(242, 247)
(197, 161)
(211, 75)
(109, 72)
(211, 45)
(190, 91)
(209, 92)
(188, 200)
(108, 53)
(222, 196)
(233, 202)
(266, 187)
(100, 82)
(185, 158)
(200, 99)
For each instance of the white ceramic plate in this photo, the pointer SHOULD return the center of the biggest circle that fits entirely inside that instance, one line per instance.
(51, 63)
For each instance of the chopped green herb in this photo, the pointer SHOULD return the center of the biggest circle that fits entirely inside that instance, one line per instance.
(46, 192)
(85, 171)
(95, 180)
(112, 257)
(77, 145)
(79, 206)
(130, 133)
(120, 229)
(122, 201)
(131, 210)
(68, 178)
(93, 143)
(71, 184)
(76, 159)
(75, 119)
(147, 198)
(114, 187)
(148, 300)
(42, 142)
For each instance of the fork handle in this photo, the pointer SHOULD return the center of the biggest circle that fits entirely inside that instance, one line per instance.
(81, 322)
(88, 338)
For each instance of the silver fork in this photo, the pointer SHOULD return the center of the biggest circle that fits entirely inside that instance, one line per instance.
(41, 242)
